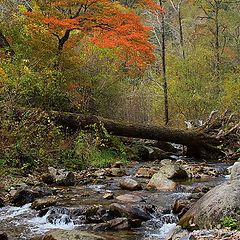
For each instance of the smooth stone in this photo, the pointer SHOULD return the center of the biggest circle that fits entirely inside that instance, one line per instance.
(130, 184)
(160, 182)
(130, 198)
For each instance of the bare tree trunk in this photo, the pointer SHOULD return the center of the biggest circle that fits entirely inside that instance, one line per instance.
(181, 30)
(164, 77)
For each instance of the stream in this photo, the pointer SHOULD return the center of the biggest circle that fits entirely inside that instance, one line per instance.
(25, 223)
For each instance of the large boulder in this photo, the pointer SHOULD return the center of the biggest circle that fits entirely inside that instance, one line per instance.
(71, 235)
(219, 202)
(160, 182)
(130, 184)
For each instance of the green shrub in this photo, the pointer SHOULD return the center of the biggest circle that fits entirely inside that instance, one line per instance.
(229, 222)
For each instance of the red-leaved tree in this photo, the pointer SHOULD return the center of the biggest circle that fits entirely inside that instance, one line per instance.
(105, 23)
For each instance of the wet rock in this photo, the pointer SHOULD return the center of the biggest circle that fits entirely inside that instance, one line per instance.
(201, 189)
(235, 171)
(114, 224)
(145, 172)
(153, 153)
(3, 236)
(58, 215)
(39, 204)
(223, 200)
(160, 182)
(108, 196)
(71, 235)
(130, 198)
(173, 171)
(179, 205)
(167, 147)
(177, 234)
(117, 164)
(130, 184)
(97, 214)
(2, 204)
(26, 195)
(100, 173)
(48, 178)
(117, 172)
(62, 177)
(119, 210)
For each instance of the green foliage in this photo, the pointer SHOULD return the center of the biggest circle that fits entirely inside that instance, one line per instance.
(229, 222)
(28, 141)
(94, 148)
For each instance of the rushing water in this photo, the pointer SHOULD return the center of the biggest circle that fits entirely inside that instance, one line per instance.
(25, 223)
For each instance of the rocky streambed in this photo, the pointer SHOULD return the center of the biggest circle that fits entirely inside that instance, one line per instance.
(138, 201)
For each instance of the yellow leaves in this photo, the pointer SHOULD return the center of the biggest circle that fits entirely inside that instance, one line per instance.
(3, 75)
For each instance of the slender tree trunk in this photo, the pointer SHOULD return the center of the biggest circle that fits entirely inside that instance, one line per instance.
(164, 77)
(181, 31)
(217, 43)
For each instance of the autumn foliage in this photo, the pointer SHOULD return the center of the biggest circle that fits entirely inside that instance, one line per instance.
(105, 23)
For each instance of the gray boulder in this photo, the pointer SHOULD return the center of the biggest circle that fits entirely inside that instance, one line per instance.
(219, 202)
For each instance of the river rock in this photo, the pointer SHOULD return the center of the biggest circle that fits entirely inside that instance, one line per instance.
(132, 212)
(71, 235)
(39, 204)
(108, 195)
(235, 171)
(153, 153)
(117, 172)
(114, 224)
(173, 171)
(130, 198)
(145, 172)
(178, 233)
(160, 182)
(130, 184)
(223, 200)
(3, 236)
(26, 195)
(48, 178)
(97, 214)
(61, 177)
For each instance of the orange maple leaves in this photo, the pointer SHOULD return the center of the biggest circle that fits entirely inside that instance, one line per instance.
(103, 22)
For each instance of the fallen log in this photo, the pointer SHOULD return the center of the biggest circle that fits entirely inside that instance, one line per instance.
(199, 144)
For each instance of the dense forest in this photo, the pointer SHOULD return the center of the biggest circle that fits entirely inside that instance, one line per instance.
(134, 61)
(119, 119)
